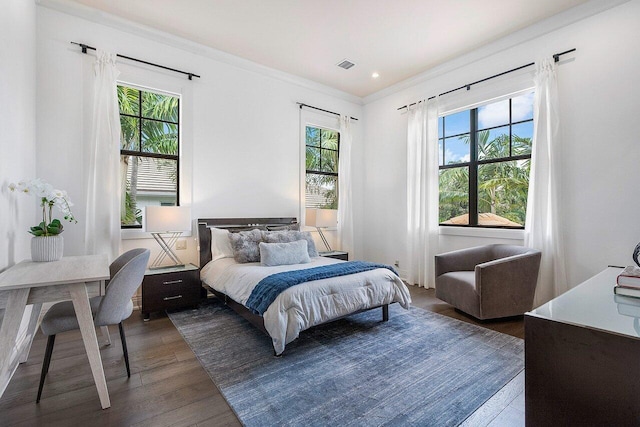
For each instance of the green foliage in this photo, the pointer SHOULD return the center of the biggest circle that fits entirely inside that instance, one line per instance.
(322, 156)
(159, 115)
(131, 214)
(502, 186)
(324, 185)
(157, 122)
(454, 192)
(52, 229)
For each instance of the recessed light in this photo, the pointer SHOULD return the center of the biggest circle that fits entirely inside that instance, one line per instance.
(375, 75)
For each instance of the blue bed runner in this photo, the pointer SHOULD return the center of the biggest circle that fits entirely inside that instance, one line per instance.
(268, 289)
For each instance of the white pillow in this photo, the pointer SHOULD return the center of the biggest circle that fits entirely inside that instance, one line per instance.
(220, 244)
(272, 254)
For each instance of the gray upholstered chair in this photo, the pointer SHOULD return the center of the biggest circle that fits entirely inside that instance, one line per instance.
(127, 272)
(488, 282)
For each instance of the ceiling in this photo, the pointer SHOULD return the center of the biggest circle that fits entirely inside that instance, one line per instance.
(395, 38)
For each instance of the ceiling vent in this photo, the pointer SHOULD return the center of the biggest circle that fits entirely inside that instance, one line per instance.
(346, 64)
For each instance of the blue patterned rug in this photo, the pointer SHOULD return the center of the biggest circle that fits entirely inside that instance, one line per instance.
(419, 368)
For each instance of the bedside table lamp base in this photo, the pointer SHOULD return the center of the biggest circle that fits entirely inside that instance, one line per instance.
(324, 239)
(321, 218)
(169, 222)
(166, 250)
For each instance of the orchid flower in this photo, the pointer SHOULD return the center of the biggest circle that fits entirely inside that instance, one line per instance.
(49, 197)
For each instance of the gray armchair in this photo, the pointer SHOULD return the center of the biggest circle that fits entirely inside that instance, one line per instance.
(488, 282)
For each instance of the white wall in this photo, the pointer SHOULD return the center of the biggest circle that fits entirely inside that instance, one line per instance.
(17, 124)
(599, 110)
(240, 124)
(242, 142)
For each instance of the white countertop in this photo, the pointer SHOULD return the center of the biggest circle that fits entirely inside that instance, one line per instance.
(593, 304)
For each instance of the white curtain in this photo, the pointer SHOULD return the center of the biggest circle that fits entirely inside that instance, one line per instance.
(422, 192)
(102, 230)
(345, 200)
(543, 228)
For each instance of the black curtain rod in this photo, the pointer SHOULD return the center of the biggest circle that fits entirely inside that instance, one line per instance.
(321, 109)
(190, 75)
(556, 58)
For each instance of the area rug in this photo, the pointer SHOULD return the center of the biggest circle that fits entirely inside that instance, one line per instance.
(419, 368)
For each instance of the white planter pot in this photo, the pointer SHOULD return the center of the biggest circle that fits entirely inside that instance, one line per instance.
(47, 248)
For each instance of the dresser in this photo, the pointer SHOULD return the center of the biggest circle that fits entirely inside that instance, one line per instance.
(170, 288)
(582, 357)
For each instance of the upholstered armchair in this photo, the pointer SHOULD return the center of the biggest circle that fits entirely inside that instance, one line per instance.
(488, 282)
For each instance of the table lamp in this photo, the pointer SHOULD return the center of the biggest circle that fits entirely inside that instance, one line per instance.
(322, 218)
(166, 224)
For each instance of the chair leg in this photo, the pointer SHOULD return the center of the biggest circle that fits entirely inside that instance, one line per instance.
(45, 364)
(124, 348)
(105, 334)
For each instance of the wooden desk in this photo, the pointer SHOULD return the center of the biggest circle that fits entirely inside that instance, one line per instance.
(34, 283)
(582, 353)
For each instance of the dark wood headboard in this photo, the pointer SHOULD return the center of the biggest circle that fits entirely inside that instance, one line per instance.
(233, 225)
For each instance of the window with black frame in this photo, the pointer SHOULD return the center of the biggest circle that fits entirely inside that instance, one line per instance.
(149, 152)
(322, 148)
(484, 162)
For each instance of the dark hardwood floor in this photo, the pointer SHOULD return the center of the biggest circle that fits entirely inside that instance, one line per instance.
(167, 385)
(426, 299)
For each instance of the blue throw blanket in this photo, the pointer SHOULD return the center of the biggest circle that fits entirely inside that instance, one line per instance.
(268, 289)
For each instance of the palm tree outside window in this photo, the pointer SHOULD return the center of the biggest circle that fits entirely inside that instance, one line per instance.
(484, 162)
(322, 148)
(149, 152)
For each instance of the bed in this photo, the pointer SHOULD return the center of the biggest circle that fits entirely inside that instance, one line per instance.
(301, 306)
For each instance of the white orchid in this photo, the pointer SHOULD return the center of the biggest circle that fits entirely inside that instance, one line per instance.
(55, 194)
(43, 191)
(22, 187)
(49, 197)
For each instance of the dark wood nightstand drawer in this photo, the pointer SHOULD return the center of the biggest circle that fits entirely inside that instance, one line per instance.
(336, 254)
(170, 290)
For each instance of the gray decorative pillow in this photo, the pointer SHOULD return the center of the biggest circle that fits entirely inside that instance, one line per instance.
(290, 227)
(245, 245)
(291, 236)
(284, 253)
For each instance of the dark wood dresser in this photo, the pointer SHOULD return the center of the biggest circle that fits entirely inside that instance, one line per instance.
(582, 353)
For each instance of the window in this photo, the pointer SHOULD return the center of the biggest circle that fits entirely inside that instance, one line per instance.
(322, 147)
(485, 159)
(149, 158)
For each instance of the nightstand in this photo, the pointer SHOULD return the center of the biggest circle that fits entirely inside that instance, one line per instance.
(170, 288)
(344, 256)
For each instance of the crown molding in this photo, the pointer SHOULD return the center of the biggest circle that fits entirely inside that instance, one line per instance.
(125, 25)
(531, 32)
(553, 23)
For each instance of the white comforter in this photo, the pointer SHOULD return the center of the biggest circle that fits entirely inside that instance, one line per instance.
(307, 304)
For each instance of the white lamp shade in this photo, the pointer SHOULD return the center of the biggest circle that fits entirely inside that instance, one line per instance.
(321, 217)
(168, 218)
(310, 217)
